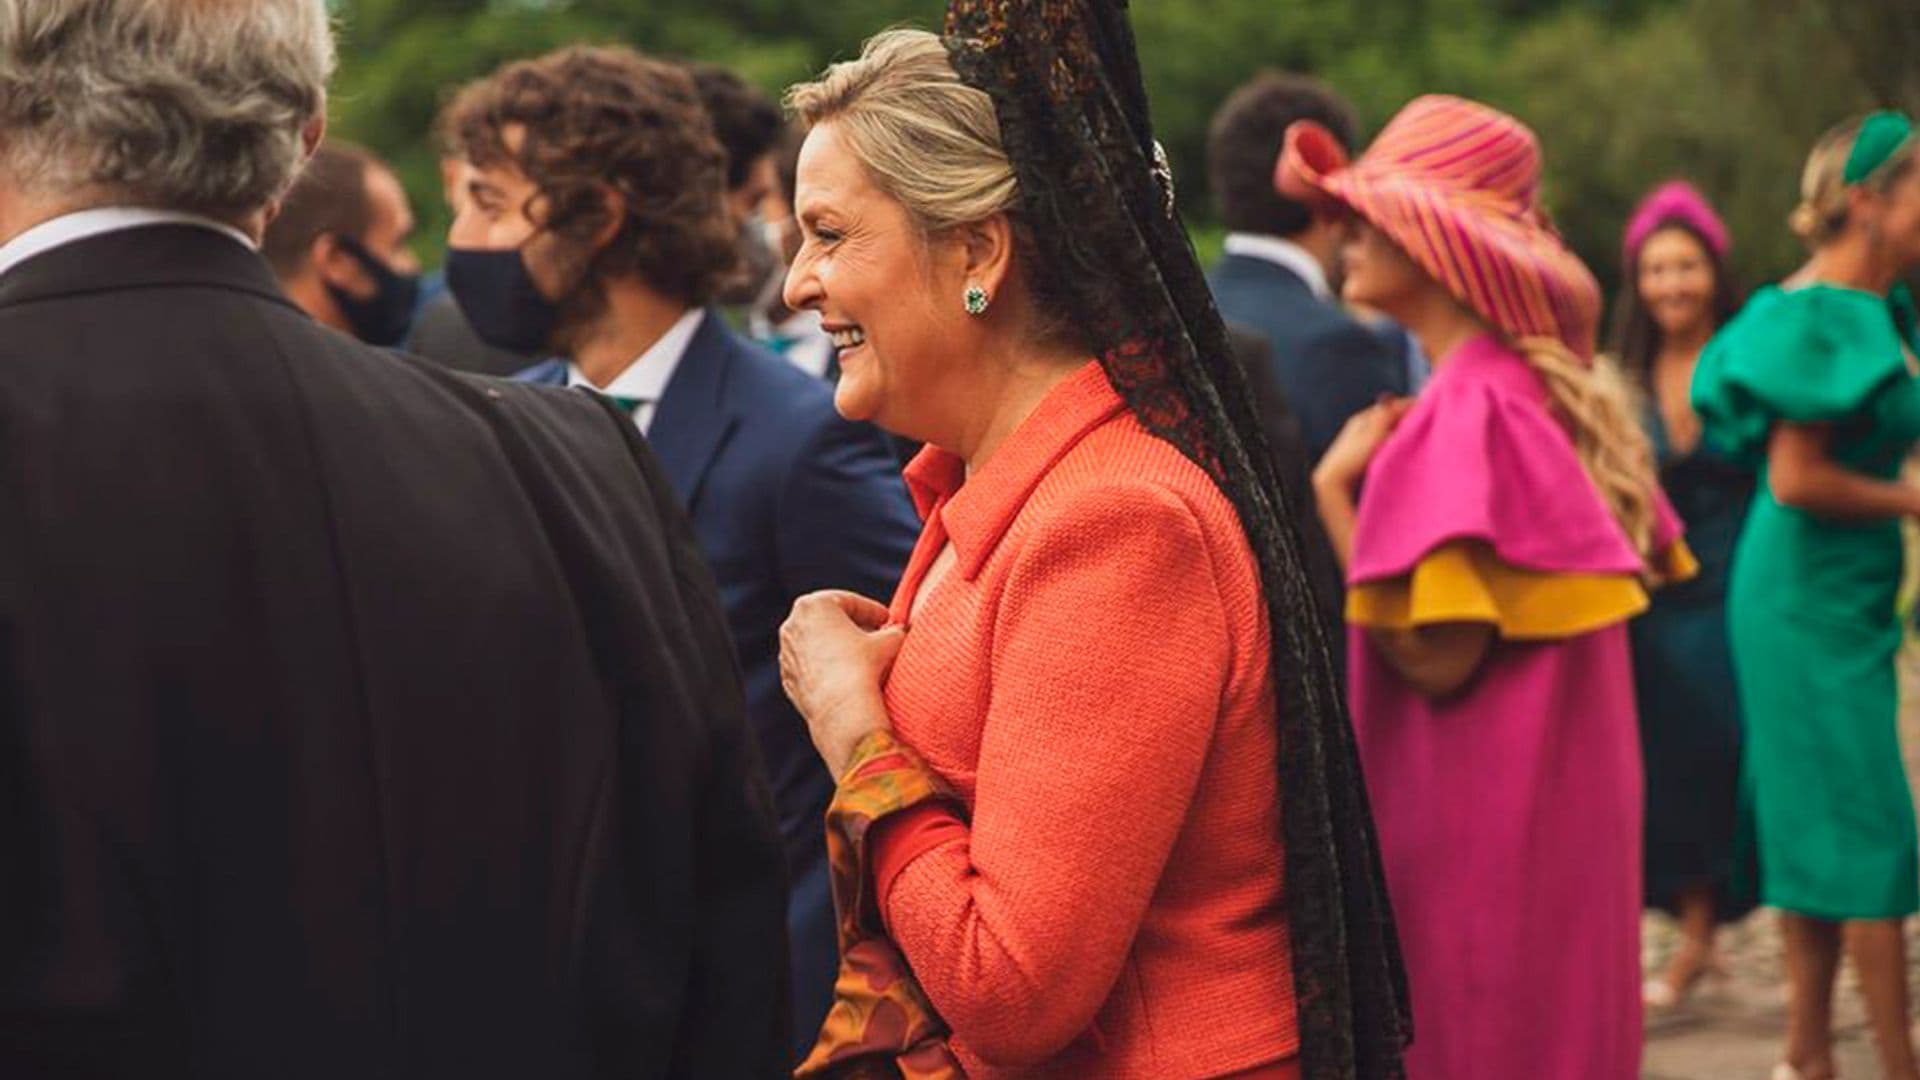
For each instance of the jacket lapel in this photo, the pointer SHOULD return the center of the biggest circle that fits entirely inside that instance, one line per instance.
(693, 421)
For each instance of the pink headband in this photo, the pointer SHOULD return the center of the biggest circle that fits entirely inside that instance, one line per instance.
(1675, 203)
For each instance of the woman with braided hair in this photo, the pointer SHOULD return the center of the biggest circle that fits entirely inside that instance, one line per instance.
(1508, 526)
(1098, 808)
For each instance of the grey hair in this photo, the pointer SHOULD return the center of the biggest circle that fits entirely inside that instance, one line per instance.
(195, 105)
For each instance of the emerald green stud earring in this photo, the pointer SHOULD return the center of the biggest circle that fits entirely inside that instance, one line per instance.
(976, 300)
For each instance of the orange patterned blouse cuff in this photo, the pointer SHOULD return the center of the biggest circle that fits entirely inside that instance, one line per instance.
(881, 1022)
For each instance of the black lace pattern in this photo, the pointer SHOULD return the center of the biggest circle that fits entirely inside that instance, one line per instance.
(1066, 83)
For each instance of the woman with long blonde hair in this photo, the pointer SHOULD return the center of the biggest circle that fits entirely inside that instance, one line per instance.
(1509, 526)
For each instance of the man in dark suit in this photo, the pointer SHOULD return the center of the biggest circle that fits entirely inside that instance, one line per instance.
(342, 245)
(749, 126)
(297, 777)
(440, 329)
(1274, 277)
(786, 497)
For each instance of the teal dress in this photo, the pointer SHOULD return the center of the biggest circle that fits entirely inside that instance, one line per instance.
(1690, 729)
(1811, 602)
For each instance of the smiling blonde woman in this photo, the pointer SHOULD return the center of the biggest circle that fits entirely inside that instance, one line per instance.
(1097, 810)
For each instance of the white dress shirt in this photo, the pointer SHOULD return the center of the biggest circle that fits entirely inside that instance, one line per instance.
(646, 378)
(81, 224)
(1286, 253)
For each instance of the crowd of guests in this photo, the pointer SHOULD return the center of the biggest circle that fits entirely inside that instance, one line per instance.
(839, 589)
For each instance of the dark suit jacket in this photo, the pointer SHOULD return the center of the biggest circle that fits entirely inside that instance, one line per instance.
(1289, 452)
(786, 498)
(1328, 363)
(356, 718)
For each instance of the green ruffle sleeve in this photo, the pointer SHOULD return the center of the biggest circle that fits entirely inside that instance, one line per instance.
(1806, 355)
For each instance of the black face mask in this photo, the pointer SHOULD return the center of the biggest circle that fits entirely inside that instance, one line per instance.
(499, 299)
(759, 263)
(384, 318)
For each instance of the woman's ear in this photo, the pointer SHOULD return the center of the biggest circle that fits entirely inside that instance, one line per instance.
(1864, 207)
(987, 247)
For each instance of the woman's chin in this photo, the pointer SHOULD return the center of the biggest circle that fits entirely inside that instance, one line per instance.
(854, 400)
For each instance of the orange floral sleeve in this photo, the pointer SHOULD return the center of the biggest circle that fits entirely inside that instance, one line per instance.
(881, 1024)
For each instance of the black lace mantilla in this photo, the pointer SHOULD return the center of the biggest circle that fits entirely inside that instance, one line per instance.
(1065, 79)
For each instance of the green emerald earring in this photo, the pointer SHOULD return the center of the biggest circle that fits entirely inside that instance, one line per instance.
(976, 300)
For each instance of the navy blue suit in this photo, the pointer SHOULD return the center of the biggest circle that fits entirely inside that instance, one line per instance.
(1329, 364)
(786, 498)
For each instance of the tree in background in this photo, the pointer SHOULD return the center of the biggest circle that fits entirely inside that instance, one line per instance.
(1721, 92)
(1624, 93)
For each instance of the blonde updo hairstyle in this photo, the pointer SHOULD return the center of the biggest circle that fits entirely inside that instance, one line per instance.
(932, 143)
(1822, 214)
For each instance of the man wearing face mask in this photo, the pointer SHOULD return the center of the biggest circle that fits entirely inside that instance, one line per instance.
(795, 335)
(595, 228)
(340, 246)
(749, 127)
(441, 332)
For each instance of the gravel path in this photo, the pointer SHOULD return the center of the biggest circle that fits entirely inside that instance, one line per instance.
(1733, 1027)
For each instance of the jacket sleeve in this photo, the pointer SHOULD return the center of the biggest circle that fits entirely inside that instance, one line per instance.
(734, 1016)
(700, 877)
(1109, 664)
(845, 521)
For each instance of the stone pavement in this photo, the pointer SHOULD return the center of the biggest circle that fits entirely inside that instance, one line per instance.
(1735, 1025)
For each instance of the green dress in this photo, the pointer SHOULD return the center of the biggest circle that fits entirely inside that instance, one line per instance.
(1811, 602)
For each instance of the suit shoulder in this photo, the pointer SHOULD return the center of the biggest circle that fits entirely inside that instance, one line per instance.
(1334, 330)
(548, 372)
(1123, 459)
(759, 372)
(780, 397)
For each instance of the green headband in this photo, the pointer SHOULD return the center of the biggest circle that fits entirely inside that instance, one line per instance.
(1882, 136)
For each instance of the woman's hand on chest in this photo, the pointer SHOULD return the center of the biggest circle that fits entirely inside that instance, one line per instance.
(835, 650)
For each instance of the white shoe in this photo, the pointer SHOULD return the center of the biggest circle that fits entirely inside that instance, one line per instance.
(1659, 994)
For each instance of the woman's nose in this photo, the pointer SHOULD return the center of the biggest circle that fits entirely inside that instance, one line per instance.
(802, 291)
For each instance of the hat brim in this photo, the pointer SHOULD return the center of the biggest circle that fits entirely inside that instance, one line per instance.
(1514, 272)
(1309, 154)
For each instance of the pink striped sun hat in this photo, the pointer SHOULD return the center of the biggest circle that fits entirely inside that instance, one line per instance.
(1456, 185)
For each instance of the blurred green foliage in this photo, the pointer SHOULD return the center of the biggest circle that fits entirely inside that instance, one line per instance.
(1624, 93)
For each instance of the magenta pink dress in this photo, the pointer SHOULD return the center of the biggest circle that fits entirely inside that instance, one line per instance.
(1508, 813)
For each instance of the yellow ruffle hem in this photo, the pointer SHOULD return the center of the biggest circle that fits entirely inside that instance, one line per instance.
(1465, 582)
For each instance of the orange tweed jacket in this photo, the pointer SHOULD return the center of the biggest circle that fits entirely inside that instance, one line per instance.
(1092, 677)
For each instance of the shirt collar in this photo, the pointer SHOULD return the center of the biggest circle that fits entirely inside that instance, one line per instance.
(646, 378)
(82, 224)
(1285, 253)
(977, 510)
